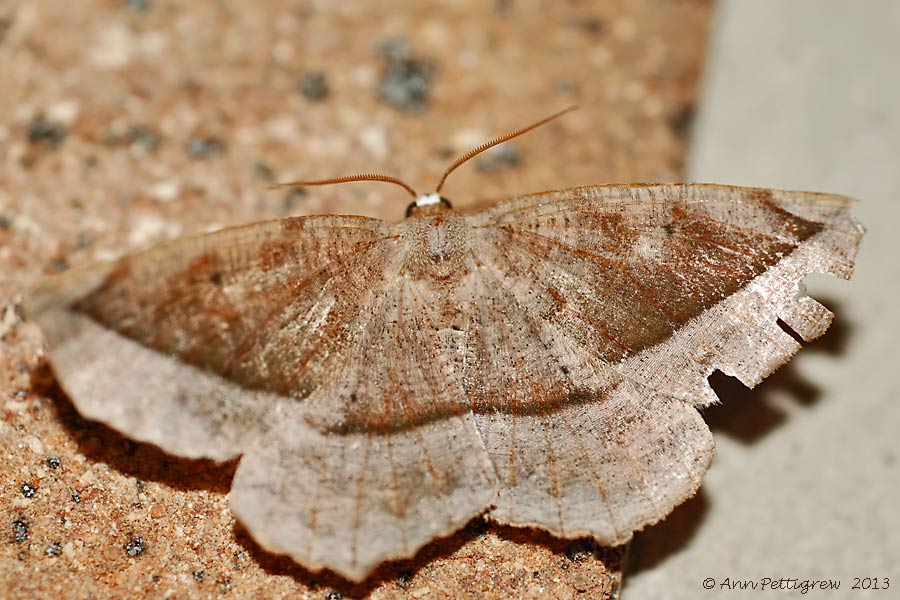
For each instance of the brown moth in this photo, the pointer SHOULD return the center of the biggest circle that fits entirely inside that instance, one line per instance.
(541, 361)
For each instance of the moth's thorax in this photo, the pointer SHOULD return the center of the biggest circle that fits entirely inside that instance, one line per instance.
(437, 243)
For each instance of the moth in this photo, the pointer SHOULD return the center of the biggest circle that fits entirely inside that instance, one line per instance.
(540, 362)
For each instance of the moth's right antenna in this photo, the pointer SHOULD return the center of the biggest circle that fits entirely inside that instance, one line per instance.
(504, 138)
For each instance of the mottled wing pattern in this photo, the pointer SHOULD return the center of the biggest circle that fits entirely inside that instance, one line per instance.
(194, 343)
(615, 304)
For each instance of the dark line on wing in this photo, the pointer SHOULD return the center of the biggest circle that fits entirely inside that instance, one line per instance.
(595, 475)
(639, 468)
(554, 477)
(437, 481)
(389, 440)
(357, 502)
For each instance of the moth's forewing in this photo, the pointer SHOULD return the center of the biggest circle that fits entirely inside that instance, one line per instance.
(182, 345)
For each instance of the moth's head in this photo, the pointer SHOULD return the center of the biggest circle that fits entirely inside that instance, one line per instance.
(426, 204)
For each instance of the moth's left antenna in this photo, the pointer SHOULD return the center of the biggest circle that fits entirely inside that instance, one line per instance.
(348, 179)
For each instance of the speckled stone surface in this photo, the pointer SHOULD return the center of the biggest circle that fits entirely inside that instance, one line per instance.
(125, 123)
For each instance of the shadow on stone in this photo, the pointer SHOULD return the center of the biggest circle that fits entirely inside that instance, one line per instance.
(143, 461)
(399, 573)
(656, 543)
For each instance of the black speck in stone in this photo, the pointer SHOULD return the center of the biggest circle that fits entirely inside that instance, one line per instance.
(405, 82)
(144, 139)
(45, 131)
(333, 595)
(198, 575)
(22, 366)
(291, 198)
(59, 265)
(476, 528)
(566, 87)
(263, 171)
(83, 241)
(314, 86)
(53, 462)
(5, 223)
(682, 122)
(135, 546)
(53, 549)
(590, 25)
(28, 490)
(76, 497)
(20, 531)
(504, 155)
(139, 6)
(204, 147)
(394, 49)
(579, 550)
